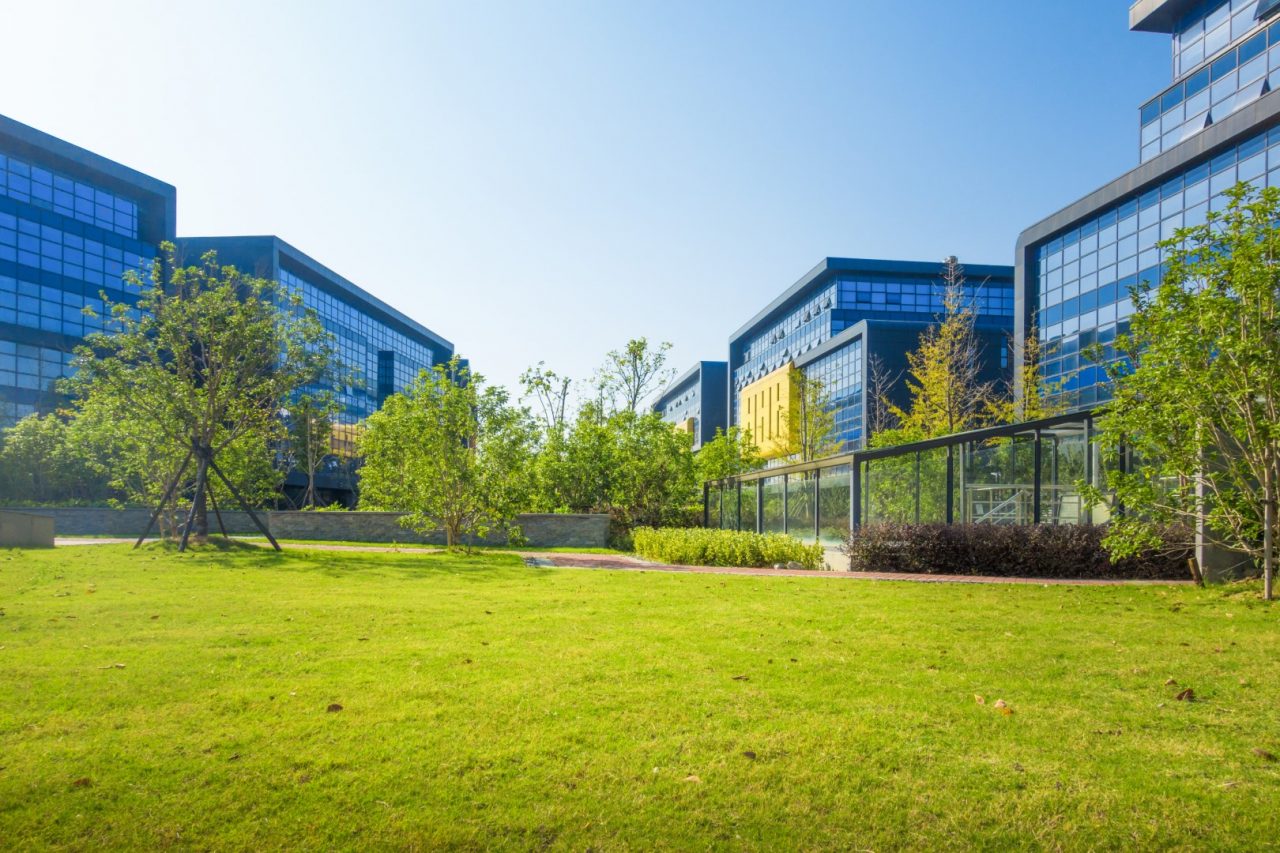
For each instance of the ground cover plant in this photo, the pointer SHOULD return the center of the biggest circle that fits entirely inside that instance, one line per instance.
(697, 546)
(1005, 550)
(243, 699)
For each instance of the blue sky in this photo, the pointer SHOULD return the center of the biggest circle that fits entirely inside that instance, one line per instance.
(543, 181)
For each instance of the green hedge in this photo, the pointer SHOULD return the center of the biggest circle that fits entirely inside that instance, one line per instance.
(701, 547)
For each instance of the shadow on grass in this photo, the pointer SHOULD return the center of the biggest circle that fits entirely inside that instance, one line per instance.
(476, 566)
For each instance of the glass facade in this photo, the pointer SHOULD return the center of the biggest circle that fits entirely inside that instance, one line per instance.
(1082, 277)
(64, 241)
(842, 376)
(1210, 26)
(1234, 79)
(381, 359)
(842, 294)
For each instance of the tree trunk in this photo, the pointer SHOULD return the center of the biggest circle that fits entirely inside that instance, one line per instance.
(1268, 536)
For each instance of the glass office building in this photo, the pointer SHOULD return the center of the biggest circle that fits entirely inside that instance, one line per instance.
(695, 401)
(381, 349)
(1217, 124)
(837, 320)
(72, 224)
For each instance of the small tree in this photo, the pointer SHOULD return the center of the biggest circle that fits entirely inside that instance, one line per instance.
(449, 453)
(632, 373)
(1029, 396)
(310, 420)
(41, 462)
(551, 392)
(1196, 394)
(727, 455)
(946, 395)
(202, 364)
(811, 419)
(880, 384)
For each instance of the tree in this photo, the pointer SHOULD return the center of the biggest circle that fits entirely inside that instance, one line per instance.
(451, 454)
(946, 395)
(202, 364)
(1030, 396)
(1196, 392)
(811, 420)
(631, 373)
(880, 384)
(41, 462)
(727, 455)
(310, 422)
(551, 391)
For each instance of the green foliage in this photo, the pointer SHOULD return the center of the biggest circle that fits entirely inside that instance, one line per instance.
(632, 466)
(451, 454)
(202, 364)
(42, 462)
(946, 395)
(701, 547)
(811, 420)
(998, 550)
(309, 424)
(727, 455)
(631, 373)
(1196, 392)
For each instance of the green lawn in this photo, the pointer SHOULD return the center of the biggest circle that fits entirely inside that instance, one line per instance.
(150, 699)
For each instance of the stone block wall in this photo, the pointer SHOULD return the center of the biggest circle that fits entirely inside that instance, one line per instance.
(25, 530)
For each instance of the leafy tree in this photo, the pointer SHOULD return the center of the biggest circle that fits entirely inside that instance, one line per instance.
(811, 419)
(630, 374)
(203, 363)
(727, 455)
(1030, 396)
(653, 481)
(451, 454)
(946, 395)
(551, 392)
(41, 462)
(1196, 392)
(310, 423)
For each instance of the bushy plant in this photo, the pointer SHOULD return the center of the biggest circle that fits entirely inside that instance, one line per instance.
(701, 547)
(1036, 551)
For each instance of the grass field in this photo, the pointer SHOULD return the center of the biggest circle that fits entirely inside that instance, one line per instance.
(149, 699)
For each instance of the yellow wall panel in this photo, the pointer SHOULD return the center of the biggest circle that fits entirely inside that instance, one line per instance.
(763, 408)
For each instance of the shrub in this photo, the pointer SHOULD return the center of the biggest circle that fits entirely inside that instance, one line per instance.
(1038, 551)
(701, 547)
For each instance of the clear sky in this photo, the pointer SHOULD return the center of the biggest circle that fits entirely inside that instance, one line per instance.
(544, 180)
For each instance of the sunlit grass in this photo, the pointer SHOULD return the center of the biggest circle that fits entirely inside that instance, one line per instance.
(153, 699)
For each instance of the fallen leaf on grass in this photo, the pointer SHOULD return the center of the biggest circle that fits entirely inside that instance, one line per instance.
(1187, 695)
(334, 708)
(752, 755)
(742, 678)
(694, 779)
(1263, 754)
(1170, 682)
(979, 699)
(82, 782)
(113, 666)
(1004, 707)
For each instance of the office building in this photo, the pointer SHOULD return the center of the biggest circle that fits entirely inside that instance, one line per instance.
(839, 320)
(696, 401)
(1217, 123)
(72, 223)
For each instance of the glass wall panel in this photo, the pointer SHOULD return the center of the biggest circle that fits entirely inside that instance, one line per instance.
(747, 507)
(713, 506)
(802, 505)
(773, 521)
(890, 486)
(995, 488)
(833, 504)
(729, 508)
(1062, 468)
(932, 506)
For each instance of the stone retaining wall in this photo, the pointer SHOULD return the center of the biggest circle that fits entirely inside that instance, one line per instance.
(541, 530)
